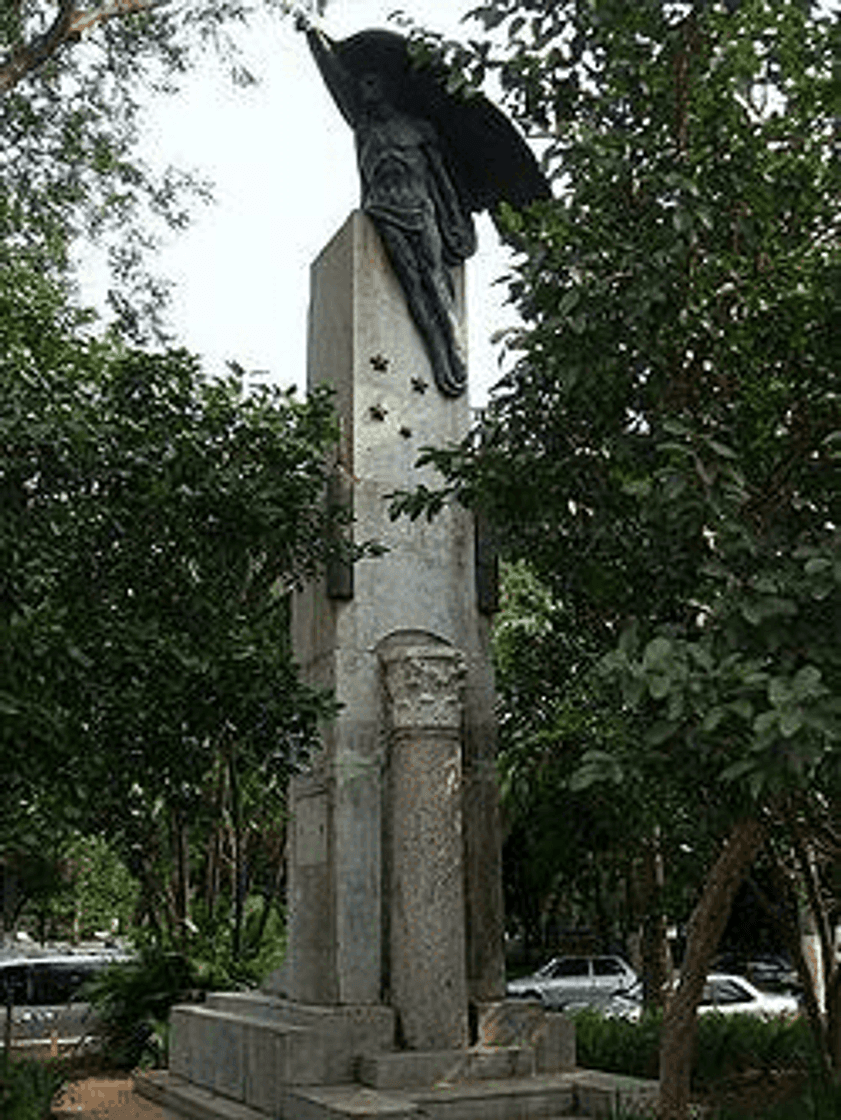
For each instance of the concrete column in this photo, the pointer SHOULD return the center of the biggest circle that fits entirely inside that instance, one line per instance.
(424, 687)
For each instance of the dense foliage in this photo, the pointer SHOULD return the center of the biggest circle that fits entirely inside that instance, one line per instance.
(28, 1087)
(74, 81)
(132, 1000)
(151, 525)
(665, 449)
(727, 1045)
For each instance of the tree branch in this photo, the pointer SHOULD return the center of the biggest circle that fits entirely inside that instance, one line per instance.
(68, 26)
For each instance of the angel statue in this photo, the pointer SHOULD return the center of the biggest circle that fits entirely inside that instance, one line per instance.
(427, 161)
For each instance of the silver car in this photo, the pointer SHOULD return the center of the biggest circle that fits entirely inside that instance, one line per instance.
(42, 991)
(571, 982)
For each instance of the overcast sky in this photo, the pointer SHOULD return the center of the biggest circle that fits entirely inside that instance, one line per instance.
(283, 164)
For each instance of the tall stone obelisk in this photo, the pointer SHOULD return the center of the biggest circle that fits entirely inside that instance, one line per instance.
(394, 856)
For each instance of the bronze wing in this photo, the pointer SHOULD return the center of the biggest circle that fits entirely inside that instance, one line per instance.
(485, 155)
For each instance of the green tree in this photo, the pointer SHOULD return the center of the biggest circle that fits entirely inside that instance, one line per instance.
(73, 84)
(591, 833)
(152, 523)
(665, 449)
(103, 894)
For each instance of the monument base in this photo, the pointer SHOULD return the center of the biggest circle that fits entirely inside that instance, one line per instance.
(249, 1056)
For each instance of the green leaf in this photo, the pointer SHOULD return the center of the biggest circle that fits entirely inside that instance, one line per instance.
(737, 770)
(712, 719)
(743, 709)
(657, 653)
(791, 720)
(807, 683)
(659, 686)
(817, 566)
(660, 732)
(765, 721)
(779, 691)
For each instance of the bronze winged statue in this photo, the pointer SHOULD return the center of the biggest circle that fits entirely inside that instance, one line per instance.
(427, 162)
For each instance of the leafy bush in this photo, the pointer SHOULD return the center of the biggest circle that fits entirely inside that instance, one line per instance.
(28, 1086)
(728, 1044)
(132, 1000)
(617, 1045)
(817, 1102)
(725, 1045)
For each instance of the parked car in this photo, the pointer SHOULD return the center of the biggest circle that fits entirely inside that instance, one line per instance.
(566, 982)
(723, 993)
(771, 972)
(45, 996)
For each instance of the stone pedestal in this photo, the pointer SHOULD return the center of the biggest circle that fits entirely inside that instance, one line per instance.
(395, 896)
(363, 343)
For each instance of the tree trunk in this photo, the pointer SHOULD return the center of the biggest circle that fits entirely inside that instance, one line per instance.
(705, 929)
(654, 947)
(789, 930)
(238, 882)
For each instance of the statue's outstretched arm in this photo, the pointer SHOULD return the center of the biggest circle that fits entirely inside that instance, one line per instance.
(337, 78)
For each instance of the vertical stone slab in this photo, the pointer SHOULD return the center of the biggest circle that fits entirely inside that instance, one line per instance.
(364, 344)
(424, 686)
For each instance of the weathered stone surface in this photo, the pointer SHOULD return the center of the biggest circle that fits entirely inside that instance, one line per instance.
(604, 1095)
(245, 1057)
(579, 1093)
(428, 984)
(550, 1034)
(409, 1069)
(364, 343)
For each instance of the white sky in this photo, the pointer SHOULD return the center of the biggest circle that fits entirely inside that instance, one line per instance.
(283, 164)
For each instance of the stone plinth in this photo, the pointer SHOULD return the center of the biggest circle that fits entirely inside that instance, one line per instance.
(428, 985)
(363, 342)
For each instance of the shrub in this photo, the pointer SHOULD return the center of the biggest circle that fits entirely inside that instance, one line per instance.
(617, 1045)
(132, 1000)
(725, 1045)
(816, 1102)
(729, 1044)
(28, 1086)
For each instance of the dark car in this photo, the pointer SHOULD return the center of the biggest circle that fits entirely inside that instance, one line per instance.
(771, 972)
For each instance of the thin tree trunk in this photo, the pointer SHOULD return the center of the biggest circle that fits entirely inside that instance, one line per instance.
(790, 933)
(237, 883)
(654, 948)
(705, 929)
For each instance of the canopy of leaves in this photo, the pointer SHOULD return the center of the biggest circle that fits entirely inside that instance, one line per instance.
(151, 524)
(666, 448)
(73, 84)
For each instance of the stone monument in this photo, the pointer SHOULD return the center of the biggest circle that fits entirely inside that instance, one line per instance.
(391, 1000)
(394, 979)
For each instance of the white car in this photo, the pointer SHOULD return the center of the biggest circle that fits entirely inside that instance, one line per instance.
(723, 994)
(734, 995)
(575, 981)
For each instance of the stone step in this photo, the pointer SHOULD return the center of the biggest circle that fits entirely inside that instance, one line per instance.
(179, 1100)
(602, 1094)
(581, 1093)
(515, 1098)
(410, 1069)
